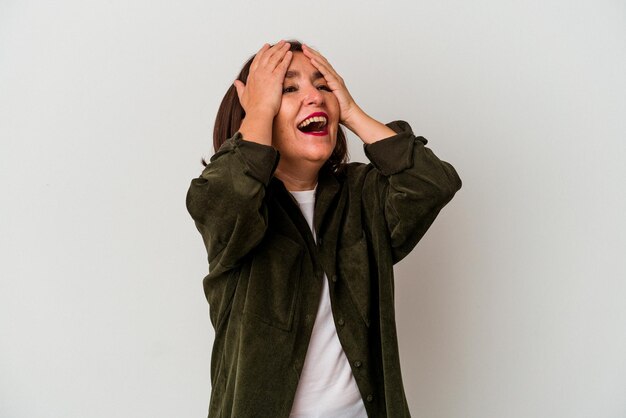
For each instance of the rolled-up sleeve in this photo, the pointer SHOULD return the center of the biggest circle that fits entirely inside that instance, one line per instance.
(416, 185)
(227, 202)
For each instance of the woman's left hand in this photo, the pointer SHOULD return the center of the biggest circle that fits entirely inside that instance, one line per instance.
(350, 114)
(347, 106)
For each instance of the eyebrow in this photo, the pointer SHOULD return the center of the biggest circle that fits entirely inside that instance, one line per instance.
(294, 74)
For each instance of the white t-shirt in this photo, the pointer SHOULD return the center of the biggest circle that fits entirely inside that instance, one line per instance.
(327, 387)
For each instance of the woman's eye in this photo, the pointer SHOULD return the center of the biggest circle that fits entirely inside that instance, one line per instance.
(289, 89)
(324, 87)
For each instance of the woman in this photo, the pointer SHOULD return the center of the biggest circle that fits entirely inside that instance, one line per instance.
(301, 245)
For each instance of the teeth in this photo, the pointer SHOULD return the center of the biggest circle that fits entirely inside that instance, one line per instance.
(308, 121)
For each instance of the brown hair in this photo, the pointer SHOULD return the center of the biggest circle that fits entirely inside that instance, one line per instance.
(231, 113)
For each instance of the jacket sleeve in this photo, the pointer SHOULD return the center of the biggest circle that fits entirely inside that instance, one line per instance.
(227, 201)
(413, 186)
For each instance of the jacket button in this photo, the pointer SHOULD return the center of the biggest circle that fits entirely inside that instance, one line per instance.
(334, 278)
(370, 398)
(319, 241)
(357, 364)
(341, 322)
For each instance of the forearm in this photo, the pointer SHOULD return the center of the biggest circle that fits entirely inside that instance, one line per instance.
(227, 201)
(367, 128)
(418, 185)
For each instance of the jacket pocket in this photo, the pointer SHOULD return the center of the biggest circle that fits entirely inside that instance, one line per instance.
(273, 282)
(354, 269)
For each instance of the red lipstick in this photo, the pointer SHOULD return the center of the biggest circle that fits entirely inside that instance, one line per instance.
(317, 133)
(316, 114)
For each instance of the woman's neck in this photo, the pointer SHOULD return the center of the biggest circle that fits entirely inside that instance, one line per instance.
(296, 181)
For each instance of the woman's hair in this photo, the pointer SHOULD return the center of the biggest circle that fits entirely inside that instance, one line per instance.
(231, 113)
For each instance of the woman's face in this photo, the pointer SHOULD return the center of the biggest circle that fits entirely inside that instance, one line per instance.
(305, 128)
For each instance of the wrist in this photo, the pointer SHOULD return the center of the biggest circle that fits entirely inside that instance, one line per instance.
(355, 118)
(262, 114)
(368, 129)
(257, 127)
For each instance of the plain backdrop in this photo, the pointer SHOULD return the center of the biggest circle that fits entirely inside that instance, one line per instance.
(512, 306)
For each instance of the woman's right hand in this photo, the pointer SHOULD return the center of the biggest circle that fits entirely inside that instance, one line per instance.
(261, 95)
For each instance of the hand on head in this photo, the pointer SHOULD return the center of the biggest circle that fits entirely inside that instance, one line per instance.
(347, 105)
(262, 92)
(278, 90)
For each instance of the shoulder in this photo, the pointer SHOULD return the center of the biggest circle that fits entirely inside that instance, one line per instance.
(356, 181)
(353, 173)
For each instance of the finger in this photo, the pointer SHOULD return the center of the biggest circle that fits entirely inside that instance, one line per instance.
(323, 61)
(271, 51)
(327, 71)
(258, 56)
(284, 65)
(275, 56)
(240, 88)
(278, 57)
(319, 58)
(310, 52)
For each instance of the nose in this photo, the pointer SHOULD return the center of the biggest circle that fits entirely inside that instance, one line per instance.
(313, 96)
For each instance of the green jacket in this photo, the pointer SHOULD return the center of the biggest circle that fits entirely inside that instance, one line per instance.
(265, 270)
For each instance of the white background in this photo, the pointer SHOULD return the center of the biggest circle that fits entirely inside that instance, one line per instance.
(513, 305)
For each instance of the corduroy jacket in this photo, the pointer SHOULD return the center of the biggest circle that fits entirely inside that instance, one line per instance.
(266, 270)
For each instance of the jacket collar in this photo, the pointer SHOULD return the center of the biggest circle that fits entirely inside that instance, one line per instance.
(327, 188)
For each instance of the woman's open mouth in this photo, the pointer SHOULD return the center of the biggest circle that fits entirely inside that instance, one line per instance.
(315, 124)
